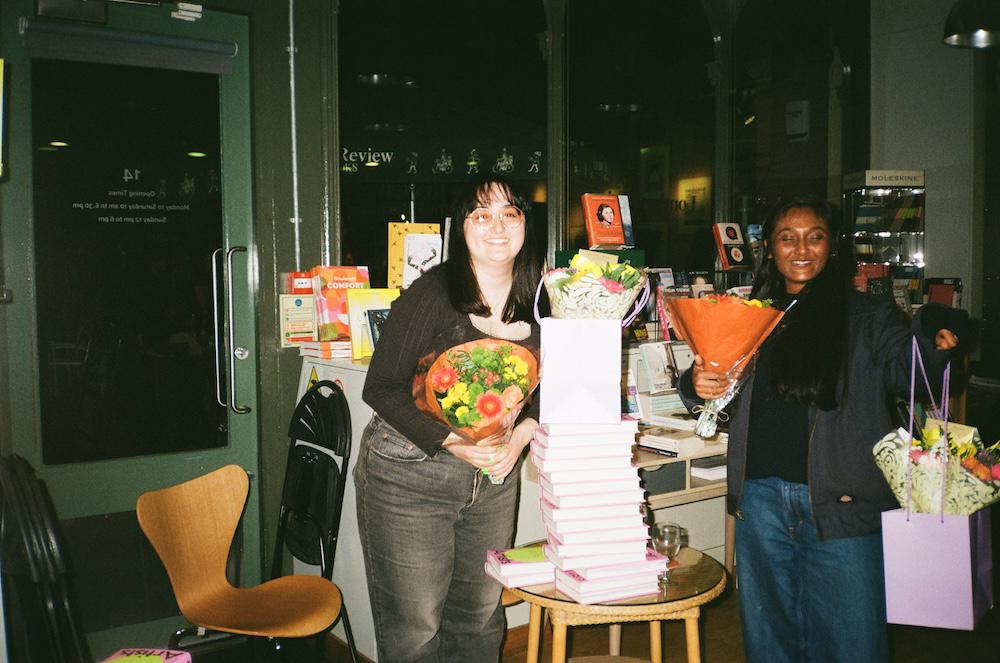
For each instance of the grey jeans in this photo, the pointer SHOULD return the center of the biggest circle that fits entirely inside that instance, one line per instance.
(426, 524)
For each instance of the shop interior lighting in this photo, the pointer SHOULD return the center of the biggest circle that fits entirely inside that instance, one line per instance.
(973, 24)
(197, 155)
(58, 143)
(388, 80)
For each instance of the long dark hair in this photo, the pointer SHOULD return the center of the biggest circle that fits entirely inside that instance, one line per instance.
(810, 353)
(463, 287)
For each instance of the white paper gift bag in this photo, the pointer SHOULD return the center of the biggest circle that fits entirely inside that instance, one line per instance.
(581, 371)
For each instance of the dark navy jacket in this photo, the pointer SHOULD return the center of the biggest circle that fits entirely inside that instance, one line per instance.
(846, 489)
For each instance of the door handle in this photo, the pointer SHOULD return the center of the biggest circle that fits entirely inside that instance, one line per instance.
(215, 328)
(238, 409)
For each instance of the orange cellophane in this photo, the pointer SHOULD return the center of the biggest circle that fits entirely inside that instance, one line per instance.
(725, 334)
(483, 428)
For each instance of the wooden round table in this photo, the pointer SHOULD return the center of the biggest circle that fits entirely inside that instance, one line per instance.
(695, 581)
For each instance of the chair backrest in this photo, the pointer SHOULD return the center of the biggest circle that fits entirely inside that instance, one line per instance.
(191, 526)
(319, 450)
(32, 541)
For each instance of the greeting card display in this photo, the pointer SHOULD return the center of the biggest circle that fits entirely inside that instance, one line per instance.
(608, 220)
(397, 258)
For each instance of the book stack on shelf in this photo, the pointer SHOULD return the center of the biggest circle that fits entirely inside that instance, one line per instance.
(670, 441)
(591, 508)
(520, 567)
(326, 349)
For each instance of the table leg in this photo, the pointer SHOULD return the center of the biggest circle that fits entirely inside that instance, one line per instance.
(534, 632)
(655, 644)
(558, 643)
(615, 640)
(693, 642)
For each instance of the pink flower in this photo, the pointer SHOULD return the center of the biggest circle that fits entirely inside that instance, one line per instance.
(512, 396)
(443, 378)
(916, 455)
(489, 404)
(612, 285)
(996, 472)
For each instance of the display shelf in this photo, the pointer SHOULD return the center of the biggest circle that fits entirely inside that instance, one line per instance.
(667, 487)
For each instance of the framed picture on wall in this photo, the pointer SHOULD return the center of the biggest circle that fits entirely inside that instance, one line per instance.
(654, 171)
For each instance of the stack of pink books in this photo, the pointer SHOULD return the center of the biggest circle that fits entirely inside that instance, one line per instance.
(520, 567)
(591, 508)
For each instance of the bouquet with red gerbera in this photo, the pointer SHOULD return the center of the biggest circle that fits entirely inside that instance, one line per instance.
(478, 388)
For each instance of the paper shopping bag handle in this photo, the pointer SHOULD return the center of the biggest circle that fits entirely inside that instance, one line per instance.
(917, 360)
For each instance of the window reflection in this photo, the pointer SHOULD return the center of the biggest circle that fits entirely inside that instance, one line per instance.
(641, 122)
(431, 93)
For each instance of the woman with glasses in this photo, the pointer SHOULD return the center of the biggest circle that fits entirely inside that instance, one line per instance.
(427, 510)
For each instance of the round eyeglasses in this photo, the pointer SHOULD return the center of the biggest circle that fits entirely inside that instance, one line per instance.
(511, 217)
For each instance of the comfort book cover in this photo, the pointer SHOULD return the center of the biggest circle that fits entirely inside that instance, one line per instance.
(330, 286)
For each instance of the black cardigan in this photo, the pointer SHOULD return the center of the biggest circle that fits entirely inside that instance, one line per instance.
(422, 323)
(840, 462)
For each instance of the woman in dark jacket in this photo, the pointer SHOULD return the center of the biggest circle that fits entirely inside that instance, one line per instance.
(802, 480)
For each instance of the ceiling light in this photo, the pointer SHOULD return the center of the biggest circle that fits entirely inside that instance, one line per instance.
(388, 80)
(58, 143)
(973, 24)
(197, 155)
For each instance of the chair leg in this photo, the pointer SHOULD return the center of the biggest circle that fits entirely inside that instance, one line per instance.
(350, 636)
(175, 639)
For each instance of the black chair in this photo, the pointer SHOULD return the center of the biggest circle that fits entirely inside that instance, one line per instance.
(37, 568)
(319, 451)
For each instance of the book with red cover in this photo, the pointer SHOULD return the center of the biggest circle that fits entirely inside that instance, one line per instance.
(608, 220)
(734, 251)
(330, 286)
(556, 514)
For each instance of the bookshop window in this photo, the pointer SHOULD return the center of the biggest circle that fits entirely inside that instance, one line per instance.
(641, 116)
(800, 101)
(432, 94)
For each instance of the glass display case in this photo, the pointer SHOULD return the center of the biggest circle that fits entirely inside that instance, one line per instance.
(884, 211)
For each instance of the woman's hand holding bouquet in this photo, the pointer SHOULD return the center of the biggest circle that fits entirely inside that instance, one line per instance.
(478, 389)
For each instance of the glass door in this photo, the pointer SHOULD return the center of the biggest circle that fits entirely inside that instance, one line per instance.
(127, 233)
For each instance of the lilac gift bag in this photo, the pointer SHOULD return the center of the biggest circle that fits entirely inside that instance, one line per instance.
(938, 568)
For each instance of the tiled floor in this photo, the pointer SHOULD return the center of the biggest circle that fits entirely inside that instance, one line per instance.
(722, 643)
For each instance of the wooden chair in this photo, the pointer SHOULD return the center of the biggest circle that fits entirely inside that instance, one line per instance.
(191, 526)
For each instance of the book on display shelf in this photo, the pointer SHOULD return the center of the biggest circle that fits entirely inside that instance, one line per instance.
(562, 527)
(326, 349)
(658, 452)
(608, 220)
(596, 474)
(676, 440)
(590, 451)
(676, 418)
(361, 302)
(733, 249)
(589, 487)
(556, 514)
(588, 561)
(600, 536)
(627, 425)
(330, 287)
(712, 468)
(578, 440)
(397, 245)
(609, 595)
(569, 464)
(522, 580)
(652, 561)
(634, 496)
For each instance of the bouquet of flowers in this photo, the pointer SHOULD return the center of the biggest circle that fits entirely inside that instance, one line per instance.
(971, 473)
(726, 331)
(592, 289)
(477, 388)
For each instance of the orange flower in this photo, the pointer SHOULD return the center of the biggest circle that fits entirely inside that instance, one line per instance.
(443, 378)
(489, 404)
(512, 395)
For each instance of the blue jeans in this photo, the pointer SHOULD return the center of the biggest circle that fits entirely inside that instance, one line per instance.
(425, 525)
(802, 599)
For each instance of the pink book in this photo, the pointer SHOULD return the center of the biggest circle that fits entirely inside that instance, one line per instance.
(560, 527)
(653, 560)
(590, 451)
(574, 464)
(522, 580)
(591, 561)
(149, 655)
(609, 595)
(518, 561)
(590, 487)
(573, 550)
(627, 425)
(580, 476)
(577, 583)
(580, 440)
(633, 496)
(600, 535)
(556, 514)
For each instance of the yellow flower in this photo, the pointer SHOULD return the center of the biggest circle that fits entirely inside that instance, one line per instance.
(460, 410)
(517, 364)
(966, 450)
(755, 303)
(932, 435)
(508, 374)
(447, 402)
(457, 390)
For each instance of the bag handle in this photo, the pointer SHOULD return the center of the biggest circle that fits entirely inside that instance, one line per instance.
(917, 360)
(639, 302)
